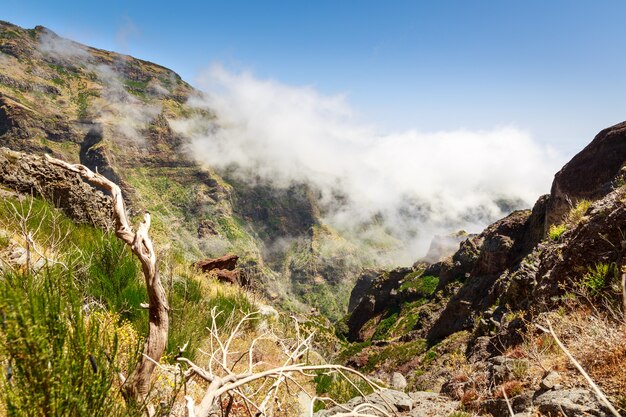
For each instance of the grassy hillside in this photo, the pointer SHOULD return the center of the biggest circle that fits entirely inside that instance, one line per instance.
(114, 113)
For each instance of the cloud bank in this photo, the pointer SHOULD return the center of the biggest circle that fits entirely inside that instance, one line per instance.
(415, 184)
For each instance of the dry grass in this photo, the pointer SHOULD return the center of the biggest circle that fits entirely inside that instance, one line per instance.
(596, 340)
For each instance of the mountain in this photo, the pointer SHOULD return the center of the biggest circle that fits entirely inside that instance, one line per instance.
(460, 334)
(118, 115)
(466, 325)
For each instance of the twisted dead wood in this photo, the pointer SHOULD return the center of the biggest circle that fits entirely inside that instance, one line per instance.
(137, 385)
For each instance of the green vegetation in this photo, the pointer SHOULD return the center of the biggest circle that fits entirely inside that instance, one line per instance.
(460, 413)
(136, 85)
(58, 81)
(82, 104)
(574, 217)
(352, 350)
(9, 34)
(598, 277)
(330, 300)
(137, 88)
(109, 277)
(423, 285)
(57, 360)
(556, 231)
(339, 388)
(190, 311)
(577, 213)
(395, 354)
(63, 72)
(383, 326)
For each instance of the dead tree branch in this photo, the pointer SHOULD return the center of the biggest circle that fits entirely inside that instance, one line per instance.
(262, 389)
(137, 384)
(578, 366)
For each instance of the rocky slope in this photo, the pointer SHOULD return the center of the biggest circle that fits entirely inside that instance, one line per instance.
(475, 309)
(116, 114)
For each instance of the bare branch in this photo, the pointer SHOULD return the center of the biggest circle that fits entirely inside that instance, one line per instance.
(508, 403)
(138, 382)
(578, 366)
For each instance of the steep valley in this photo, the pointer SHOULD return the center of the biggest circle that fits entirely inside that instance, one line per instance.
(463, 331)
(115, 113)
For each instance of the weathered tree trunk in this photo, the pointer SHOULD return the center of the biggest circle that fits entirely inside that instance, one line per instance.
(137, 384)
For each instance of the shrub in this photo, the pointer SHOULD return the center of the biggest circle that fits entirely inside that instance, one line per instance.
(469, 396)
(113, 278)
(352, 350)
(339, 388)
(511, 388)
(394, 354)
(556, 231)
(577, 213)
(191, 303)
(598, 277)
(59, 362)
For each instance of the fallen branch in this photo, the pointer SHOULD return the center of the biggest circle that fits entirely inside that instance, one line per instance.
(226, 377)
(578, 366)
(508, 403)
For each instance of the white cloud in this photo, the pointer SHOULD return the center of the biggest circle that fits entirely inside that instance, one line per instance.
(62, 49)
(419, 183)
(125, 113)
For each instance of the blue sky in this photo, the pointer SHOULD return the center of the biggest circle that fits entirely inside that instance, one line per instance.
(556, 69)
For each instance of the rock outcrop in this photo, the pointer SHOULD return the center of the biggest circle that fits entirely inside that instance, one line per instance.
(380, 296)
(590, 174)
(33, 175)
(224, 268)
(361, 287)
(498, 247)
(227, 262)
(502, 279)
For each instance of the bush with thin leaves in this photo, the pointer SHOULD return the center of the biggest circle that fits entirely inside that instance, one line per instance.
(55, 361)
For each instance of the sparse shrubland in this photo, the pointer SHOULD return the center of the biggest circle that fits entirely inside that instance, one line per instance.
(58, 358)
(85, 295)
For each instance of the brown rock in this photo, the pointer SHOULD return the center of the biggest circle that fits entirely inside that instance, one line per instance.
(499, 247)
(227, 262)
(224, 275)
(589, 175)
(31, 174)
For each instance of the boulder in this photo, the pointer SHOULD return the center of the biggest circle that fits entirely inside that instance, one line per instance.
(224, 275)
(498, 406)
(550, 381)
(398, 381)
(576, 402)
(227, 262)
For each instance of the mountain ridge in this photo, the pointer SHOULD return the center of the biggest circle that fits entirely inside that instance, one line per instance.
(118, 114)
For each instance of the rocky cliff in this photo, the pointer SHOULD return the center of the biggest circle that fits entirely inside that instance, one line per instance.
(114, 113)
(476, 308)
